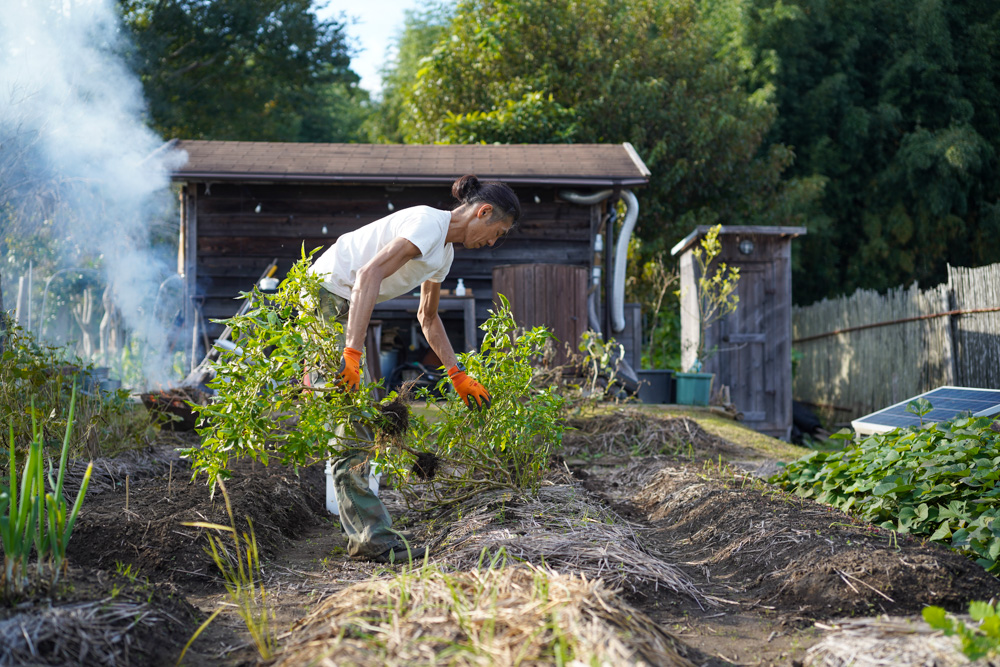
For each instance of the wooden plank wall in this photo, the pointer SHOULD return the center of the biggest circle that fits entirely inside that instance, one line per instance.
(848, 375)
(242, 227)
(976, 335)
(552, 295)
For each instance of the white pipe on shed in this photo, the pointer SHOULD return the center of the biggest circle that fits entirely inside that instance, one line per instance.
(616, 300)
(585, 200)
(621, 256)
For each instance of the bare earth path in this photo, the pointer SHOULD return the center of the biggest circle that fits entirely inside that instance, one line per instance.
(765, 566)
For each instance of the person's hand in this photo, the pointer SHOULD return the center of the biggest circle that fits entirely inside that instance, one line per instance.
(349, 375)
(471, 392)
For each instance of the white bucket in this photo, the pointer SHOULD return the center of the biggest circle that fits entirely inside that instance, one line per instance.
(331, 498)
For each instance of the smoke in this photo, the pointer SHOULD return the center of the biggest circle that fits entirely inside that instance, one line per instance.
(75, 154)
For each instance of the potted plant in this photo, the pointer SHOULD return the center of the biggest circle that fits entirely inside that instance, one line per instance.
(716, 298)
(659, 358)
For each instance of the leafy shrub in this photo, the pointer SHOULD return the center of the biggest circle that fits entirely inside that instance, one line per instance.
(37, 386)
(262, 410)
(937, 481)
(507, 446)
(979, 641)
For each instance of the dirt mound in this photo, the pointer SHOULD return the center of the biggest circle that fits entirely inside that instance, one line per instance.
(98, 618)
(149, 534)
(793, 554)
(489, 616)
(630, 432)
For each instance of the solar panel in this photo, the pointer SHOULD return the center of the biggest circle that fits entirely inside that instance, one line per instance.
(947, 402)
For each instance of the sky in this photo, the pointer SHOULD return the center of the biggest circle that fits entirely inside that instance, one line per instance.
(372, 26)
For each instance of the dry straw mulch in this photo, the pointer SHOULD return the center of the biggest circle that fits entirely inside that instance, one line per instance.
(563, 527)
(92, 633)
(877, 642)
(515, 615)
(631, 432)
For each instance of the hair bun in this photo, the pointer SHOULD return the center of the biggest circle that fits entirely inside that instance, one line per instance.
(465, 187)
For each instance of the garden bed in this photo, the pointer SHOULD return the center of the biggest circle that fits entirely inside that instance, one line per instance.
(712, 565)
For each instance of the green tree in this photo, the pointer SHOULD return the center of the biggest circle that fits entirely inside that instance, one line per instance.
(244, 70)
(651, 73)
(897, 105)
(421, 31)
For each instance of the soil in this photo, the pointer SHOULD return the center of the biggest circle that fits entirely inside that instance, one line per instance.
(770, 565)
(777, 563)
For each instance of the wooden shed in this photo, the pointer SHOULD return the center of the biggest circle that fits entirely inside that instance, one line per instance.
(754, 343)
(244, 204)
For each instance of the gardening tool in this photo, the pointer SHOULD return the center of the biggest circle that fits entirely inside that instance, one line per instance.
(203, 371)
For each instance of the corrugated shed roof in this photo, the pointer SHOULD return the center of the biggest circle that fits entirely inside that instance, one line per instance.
(596, 165)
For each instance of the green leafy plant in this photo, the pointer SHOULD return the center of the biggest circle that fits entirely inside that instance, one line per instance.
(920, 408)
(33, 519)
(715, 291)
(979, 641)
(600, 361)
(240, 568)
(106, 422)
(263, 411)
(938, 481)
(261, 408)
(650, 285)
(508, 445)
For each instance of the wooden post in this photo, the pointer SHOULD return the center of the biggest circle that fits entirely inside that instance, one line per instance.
(187, 260)
(19, 307)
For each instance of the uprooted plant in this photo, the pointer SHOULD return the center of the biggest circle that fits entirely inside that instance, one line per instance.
(507, 446)
(262, 409)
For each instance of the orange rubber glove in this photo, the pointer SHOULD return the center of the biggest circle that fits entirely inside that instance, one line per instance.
(349, 375)
(474, 394)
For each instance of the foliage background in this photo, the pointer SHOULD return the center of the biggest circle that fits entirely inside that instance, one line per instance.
(874, 123)
(897, 106)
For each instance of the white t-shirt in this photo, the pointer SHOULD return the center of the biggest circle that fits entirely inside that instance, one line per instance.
(423, 226)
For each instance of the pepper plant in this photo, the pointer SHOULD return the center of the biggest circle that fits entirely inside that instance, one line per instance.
(508, 445)
(938, 481)
(262, 410)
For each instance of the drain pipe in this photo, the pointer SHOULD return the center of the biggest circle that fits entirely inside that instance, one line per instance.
(593, 321)
(617, 302)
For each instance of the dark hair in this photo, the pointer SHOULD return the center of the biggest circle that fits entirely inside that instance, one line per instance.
(470, 190)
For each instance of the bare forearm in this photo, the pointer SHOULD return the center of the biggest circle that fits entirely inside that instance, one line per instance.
(437, 338)
(363, 298)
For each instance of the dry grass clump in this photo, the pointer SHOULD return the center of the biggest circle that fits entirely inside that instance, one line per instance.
(630, 432)
(515, 615)
(91, 633)
(564, 528)
(871, 642)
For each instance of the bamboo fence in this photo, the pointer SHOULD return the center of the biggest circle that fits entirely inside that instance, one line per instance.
(867, 351)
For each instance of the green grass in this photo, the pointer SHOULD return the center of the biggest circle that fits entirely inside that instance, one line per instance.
(33, 519)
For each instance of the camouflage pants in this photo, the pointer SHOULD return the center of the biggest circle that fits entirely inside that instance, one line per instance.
(363, 516)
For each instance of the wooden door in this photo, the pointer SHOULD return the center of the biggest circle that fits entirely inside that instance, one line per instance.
(753, 350)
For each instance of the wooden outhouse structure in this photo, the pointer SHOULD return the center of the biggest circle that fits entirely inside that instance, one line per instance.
(754, 343)
(244, 204)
